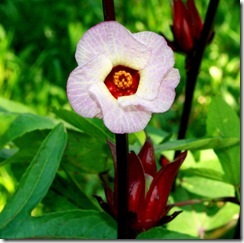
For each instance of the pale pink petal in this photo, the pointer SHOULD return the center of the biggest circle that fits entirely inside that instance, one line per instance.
(162, 59)
(116, 43)
(163, 101)
(107, 45)
(172, 78)
(158, 45)
(119, 119)
(79, 82)
(166, 94)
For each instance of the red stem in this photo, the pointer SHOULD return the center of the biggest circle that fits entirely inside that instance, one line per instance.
(121, 156)
(108, 10)
(194, 60)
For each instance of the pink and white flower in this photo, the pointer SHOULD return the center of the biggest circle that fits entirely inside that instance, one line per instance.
(122, 77)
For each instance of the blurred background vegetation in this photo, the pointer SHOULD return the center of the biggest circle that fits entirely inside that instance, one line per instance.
(38, 40)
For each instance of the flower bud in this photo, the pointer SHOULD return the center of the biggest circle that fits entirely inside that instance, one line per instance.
(187, 25)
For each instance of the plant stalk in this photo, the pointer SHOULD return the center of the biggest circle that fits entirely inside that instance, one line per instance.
(122, 187)
(108, 10)
(193, 61)
(122, 156)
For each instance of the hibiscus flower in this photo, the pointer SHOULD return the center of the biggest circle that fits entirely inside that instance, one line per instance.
(122, 77)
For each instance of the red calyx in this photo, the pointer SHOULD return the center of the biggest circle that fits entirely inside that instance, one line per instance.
(187, 25)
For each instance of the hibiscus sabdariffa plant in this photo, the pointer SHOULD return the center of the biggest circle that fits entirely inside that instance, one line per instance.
(122, 77)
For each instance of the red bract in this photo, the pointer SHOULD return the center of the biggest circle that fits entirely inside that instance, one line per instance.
(187, 25)
(147, 208)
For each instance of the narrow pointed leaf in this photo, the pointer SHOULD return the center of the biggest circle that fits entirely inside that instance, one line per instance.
(85, 153)
(13, 106)
(73, 224)
(37, 179)
(222, 121)
(206, 173)
(92, 127)
(160, 233)
(198, 144)
(14, 125)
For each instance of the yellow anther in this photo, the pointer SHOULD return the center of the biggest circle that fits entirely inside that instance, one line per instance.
(122, 79)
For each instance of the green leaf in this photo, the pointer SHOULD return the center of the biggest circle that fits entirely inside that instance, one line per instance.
(207, 188)
(196, 219)
(14, 125)
(38, 177)
(227, 212)
(6, 154)
(161, 233)
(69, 191)
(204, 172)
(26, 147)
(223, 121)
(157, 134)
(82, 153)
(200, 218)
(86, 153)
(74, 224)
(230, 160)
(92, 127)
(13, 106)
(197, 144)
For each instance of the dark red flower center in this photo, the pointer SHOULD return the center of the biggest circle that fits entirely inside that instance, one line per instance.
(122, 81)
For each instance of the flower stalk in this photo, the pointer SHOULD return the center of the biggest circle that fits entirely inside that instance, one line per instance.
(122, 185)
(193, 61)
(121, 156)
(108, 10)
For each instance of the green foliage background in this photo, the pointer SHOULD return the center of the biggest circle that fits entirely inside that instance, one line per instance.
(37, 45)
